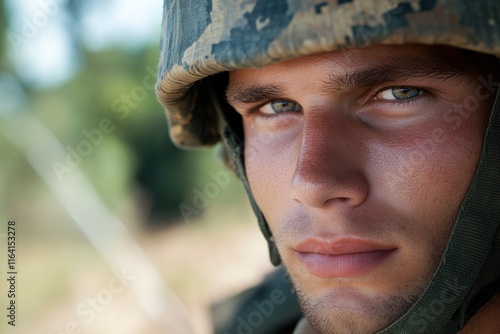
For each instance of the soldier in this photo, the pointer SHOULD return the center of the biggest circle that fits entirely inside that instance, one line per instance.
(367, 136)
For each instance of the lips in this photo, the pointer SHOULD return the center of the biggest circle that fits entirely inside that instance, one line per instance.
(342, 258)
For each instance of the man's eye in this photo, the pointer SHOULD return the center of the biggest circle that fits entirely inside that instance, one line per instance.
(278, 107)
(398, 93)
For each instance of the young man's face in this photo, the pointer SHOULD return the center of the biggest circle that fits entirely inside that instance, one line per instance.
(359, 161)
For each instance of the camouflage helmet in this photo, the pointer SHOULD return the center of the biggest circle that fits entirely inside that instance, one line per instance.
(203, 39)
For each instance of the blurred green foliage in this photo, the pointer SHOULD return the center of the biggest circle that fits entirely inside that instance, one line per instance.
(138, 148)
(135, 160)
(3, 28)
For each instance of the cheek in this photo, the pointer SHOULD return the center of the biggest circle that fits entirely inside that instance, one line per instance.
(428, 175)
(269, 170)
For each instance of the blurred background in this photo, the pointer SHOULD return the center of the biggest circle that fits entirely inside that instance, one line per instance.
(117, 231)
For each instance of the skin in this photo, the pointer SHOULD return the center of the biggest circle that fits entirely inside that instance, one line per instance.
(332, 155)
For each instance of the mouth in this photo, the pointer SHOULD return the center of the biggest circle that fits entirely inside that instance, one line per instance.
(345, 258)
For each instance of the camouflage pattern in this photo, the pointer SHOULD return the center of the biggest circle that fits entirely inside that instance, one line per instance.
(204, 37)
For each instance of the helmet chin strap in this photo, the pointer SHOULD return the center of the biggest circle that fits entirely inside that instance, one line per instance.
(469, 271)
(234, 146)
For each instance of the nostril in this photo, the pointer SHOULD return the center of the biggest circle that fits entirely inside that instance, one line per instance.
(339, 200)
(316, 187)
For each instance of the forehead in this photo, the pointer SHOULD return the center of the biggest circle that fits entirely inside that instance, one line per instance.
(353, 68)
(340, 72)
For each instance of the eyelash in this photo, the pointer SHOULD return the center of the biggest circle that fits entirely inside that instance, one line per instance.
(253, 111)
(400, 103)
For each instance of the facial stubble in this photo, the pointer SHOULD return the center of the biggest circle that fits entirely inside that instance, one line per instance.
(325, 317)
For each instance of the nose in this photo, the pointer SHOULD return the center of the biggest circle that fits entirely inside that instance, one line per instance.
(329, 167)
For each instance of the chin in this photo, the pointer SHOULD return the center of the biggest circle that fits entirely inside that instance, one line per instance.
(353, 314)
(353, 310)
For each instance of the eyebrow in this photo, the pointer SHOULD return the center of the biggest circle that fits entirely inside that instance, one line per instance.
(252, 93)
(390, 73)
(395, 71)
